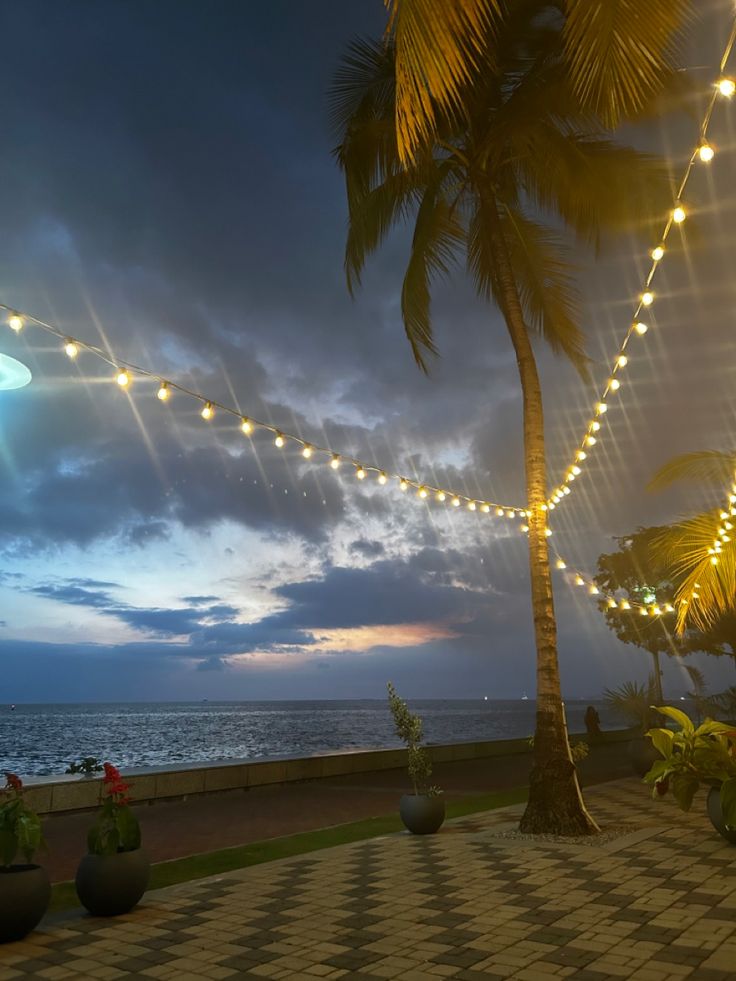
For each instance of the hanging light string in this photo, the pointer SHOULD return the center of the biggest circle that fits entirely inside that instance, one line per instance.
(125, 371)
(703, 152)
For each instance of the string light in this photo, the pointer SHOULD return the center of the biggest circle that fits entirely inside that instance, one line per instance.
(706, 152)
(246, 426)
(382, 478)
(640, 328)
(207, 411)
(403, 484)
(70, 349)
(441, 497)
(335, 462)
(360, 473)
(122, 378)
(456, 502)
(163, 393)
(15, 322)
(306, 451)
(614, 384)
(422, 492)
(279, 440)
(658, 253)
(471, 505)
(679, 215)
(727, 87)
(647, 298)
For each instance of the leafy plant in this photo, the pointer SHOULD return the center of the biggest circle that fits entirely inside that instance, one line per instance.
(633, 701)
(116, 829)
(409, 729)
(578, 750)
(695, 756)
(20, 826)
(86, 766)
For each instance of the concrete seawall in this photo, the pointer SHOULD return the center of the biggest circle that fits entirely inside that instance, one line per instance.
(62, 794)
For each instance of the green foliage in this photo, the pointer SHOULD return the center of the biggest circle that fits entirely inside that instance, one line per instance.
(20, 826)
(116, 828)
(632, 701)
(695, 755)
(409, 730)
(87, 765)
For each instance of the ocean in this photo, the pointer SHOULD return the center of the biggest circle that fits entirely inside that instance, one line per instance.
(44, 739)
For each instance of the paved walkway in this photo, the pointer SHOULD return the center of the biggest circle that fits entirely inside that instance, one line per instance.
(653, 901)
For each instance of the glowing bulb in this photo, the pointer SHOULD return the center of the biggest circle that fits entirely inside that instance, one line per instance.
(525, 528)
(579, 581)
(601, 408)
(207, 412)
(485, 508)
(471, 505)
(548, 532)
(614, 384)
(669, 608)
(566, 490)
(591, 440)
(640, 328)
(552, 505)
(422, 492)
(658, 253)
(593, 590)
(15, 322)
(625, 605)
(581, 455)
(706, 152)
(123, 378)
(163, 393)
(499, 512)
(360, 473)
(441, 496)
(382, 478)
(595, 426)
(643, 612)
(714, 561)
(576, 470)
(279, 441)
(510, 514)
(678, 215)
(560, 564)
(456, 502)
(612, 604)
(246, 426)
(71, 350)
(656, 611)
(335, 461)
(647, 298)
(727, 87)
(724, 514)
(306, 451)
(403, 484)
(622, 361)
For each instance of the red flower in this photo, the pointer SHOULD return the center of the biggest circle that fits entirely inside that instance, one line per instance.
(13, 781)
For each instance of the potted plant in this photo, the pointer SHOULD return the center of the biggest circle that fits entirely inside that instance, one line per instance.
(422, 812)
(633, 702)
(25, 889)
(113, 876)
(694, 756)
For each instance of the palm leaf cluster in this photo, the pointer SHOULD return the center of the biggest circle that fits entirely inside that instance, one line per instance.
(618, 54)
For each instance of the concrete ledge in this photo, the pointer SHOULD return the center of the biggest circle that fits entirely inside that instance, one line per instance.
(61, 794)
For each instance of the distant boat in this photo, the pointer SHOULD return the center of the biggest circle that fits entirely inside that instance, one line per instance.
(525, 698)
(485, 698)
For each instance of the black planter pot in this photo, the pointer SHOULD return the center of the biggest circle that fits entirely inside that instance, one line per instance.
(108, 885)
(643, 755)
(25, 891)
(716, 815)
(422, 814)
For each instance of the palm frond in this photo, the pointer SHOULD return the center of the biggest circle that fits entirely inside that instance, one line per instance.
(706, 466)
(438, 47)
(437, 235)
(619, 51)
(545, 280)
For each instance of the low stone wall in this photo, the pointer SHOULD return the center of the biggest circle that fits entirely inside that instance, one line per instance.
(61, 794)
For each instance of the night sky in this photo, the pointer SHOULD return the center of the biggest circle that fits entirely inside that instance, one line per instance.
(167, 191)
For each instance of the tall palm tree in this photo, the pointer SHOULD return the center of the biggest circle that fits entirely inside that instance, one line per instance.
(522, 150)
(618, 53)
(707, 582)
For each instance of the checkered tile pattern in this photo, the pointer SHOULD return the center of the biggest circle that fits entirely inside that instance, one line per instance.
(656, 904)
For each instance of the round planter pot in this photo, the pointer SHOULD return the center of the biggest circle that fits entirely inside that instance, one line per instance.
(25, 891)
(643, 755)
(716, 815)
(421, 814)
(108, 885)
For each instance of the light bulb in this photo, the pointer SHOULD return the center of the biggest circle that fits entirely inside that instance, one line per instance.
(566, 490)
(123, 378)
(471, 505)
(593, 590)
(360, 473)
(678, 215)
(525, 528)
(560, 564)
(614, 384)
(548, 532)
(656, 611)
(581, 455)
(643, 612)
(279, 441)
(422, 492)
(552, 505)
(658, 253)
(640, 328)
(669, 608)
(612, 604)
(246, 426)
(579, 581)
(207, 411)
(456, 502)
(723, 514)
(625, 605)
(441, 496)
(71, 350)
(601, 408)
(706, 152)
(163, 393)
(591, 440)
(622, 361)
(15, 322)
(647, 298)
(382, 478)
(335, 461)
(403, 484)
(485, 508)
(499, 512)
(576, 470)
(510, 514)
(595, 426)
(306, 451)
(727, 87)
(714, 561)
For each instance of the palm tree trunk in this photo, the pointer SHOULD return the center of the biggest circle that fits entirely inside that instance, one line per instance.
(657, 678)
(555, 803)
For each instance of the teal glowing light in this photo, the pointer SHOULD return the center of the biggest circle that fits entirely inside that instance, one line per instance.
(13, 374)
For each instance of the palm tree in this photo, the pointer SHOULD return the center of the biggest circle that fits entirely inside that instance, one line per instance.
(707, 582)
(522, 148)
(618, 55)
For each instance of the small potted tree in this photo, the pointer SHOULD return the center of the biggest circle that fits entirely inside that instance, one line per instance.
(422, 812)
(25, 889)
(113, 876)
(633, 702)
(692, 757)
